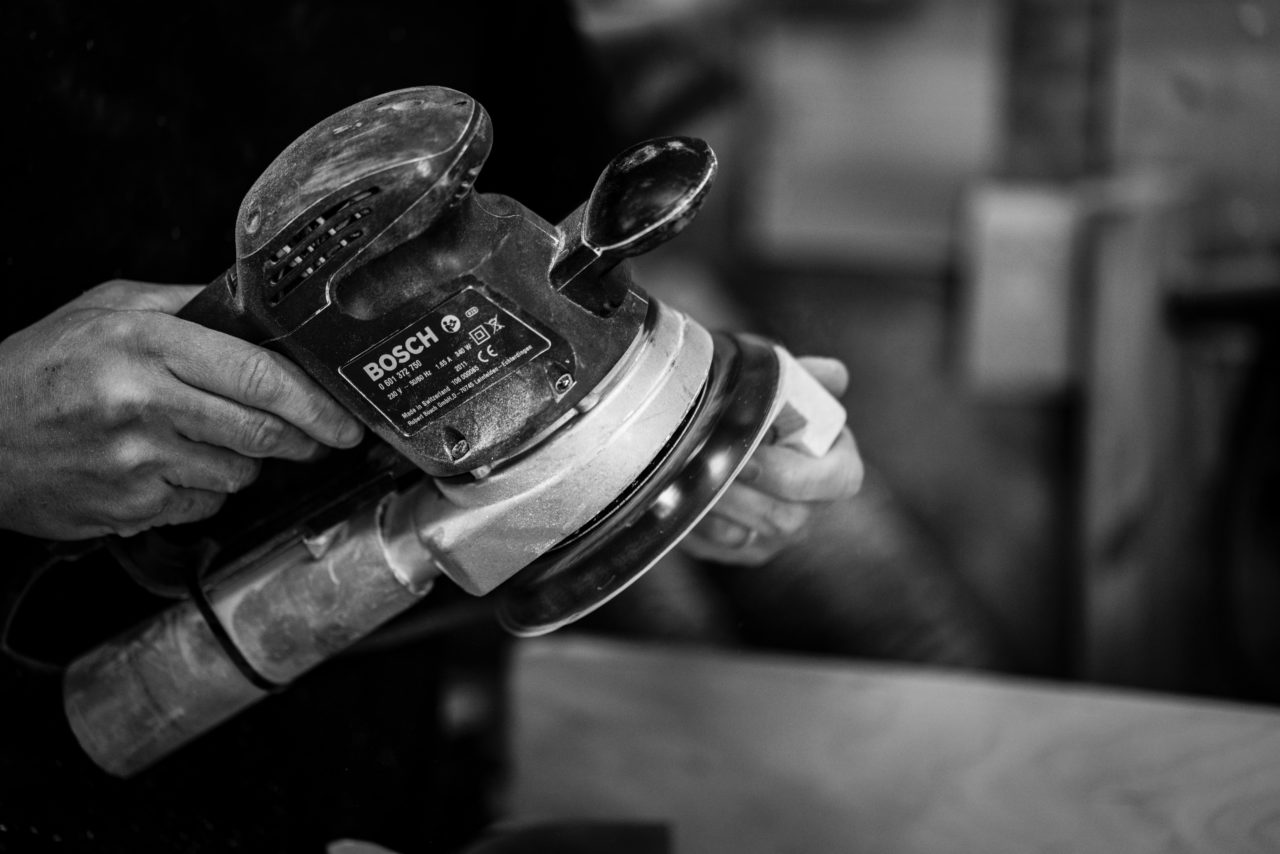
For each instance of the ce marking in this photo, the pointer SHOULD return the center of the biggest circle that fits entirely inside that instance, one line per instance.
(487, 355)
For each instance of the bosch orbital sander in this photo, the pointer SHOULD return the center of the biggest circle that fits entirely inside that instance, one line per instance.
(542, 430)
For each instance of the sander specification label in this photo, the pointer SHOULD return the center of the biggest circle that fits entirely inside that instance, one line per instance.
(442, 359)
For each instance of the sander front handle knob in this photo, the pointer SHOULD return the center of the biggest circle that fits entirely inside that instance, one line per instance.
(643, 198)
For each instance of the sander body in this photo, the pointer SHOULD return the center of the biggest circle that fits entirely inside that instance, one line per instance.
(540, 427)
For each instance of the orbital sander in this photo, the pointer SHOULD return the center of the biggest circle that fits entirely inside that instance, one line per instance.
(540, 428)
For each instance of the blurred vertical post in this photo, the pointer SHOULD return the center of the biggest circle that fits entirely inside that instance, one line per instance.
(1024, 238)
(1058, 74)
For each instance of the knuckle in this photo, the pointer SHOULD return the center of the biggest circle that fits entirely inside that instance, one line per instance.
(262, 435)
(315, 409)
(786, 519)
(309, 410)
(143, 506)
(121, 399)
(792, 481)
(116, 290)
(118, 327)
(110, 292)
(260, 378)
(130, 456)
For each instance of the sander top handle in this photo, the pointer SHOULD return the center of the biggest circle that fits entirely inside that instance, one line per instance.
(353, 187)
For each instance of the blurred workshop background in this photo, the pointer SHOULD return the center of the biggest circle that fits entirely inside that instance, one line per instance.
(1044, 235)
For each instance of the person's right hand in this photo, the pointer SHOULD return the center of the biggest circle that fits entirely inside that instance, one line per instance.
(116, 416)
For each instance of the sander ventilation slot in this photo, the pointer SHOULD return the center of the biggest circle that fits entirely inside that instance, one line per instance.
(327, 237)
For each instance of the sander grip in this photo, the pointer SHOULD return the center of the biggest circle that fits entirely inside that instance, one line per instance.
(216, 307)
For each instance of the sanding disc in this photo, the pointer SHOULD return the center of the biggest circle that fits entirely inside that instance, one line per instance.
(697, 466)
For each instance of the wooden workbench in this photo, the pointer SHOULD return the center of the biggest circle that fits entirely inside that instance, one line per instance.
(773, 754)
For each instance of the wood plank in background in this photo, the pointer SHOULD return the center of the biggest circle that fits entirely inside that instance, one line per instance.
(749, 754)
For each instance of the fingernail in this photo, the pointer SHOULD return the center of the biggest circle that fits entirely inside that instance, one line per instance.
(750, 472)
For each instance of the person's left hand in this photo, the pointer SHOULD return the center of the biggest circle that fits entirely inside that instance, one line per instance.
(768, 506)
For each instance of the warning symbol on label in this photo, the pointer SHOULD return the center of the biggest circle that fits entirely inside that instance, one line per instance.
(450, 323)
